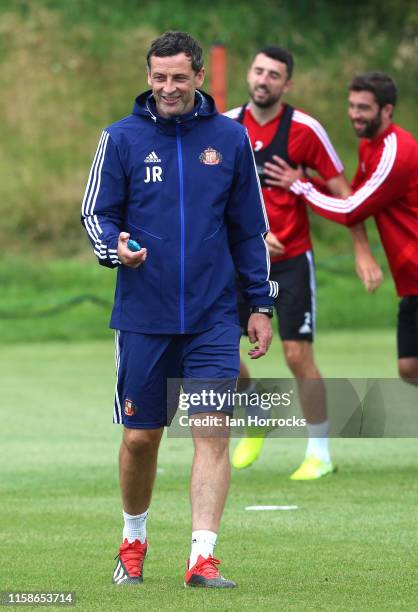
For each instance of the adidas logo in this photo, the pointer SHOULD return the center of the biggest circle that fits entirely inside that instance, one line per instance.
(305, 329)
(152, 158)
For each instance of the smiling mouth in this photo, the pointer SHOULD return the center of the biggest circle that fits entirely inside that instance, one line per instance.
(170, 100)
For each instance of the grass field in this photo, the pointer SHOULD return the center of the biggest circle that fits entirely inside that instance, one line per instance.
(351, 545)
(44, 298)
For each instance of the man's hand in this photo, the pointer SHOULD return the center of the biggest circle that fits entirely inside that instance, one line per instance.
(127, 257)
(259, 330)
(369, 272)
(281, 174)
(274, 246)
(367, 268)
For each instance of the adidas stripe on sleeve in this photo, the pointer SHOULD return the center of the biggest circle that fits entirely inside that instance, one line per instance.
(101, 210)
(379, 190)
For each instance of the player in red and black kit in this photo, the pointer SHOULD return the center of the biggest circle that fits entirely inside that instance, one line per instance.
(278, 130)
(385, 186)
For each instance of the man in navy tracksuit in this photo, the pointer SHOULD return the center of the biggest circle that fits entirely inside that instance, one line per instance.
(180, 180)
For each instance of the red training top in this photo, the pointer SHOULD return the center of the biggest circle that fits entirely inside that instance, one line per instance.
(386, 187)
(308, 145)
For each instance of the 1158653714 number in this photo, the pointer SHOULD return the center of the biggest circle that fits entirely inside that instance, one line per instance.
(44, 598)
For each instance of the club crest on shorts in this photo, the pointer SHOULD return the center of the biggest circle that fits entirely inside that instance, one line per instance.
(129, 408)
(210, 157)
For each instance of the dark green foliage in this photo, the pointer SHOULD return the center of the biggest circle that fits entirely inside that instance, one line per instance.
(69, 68)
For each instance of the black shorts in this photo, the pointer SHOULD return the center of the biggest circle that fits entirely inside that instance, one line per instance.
(407, 331)
(296, 304)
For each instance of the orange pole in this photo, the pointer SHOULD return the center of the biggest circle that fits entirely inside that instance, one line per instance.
(218, 73)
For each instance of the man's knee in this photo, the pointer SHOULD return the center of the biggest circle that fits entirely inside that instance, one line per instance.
(215, 447)
(299, 358)
(138, 441)
(408, 369)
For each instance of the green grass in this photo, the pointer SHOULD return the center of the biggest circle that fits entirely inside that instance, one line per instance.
(340, 354)
(32, 290)
(351, 545)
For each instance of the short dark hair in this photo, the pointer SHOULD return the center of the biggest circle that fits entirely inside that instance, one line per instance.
(174, 42)
(279, 54)
(382, 86)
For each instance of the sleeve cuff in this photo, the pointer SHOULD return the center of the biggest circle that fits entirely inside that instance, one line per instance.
(300, 186)
(266, 300)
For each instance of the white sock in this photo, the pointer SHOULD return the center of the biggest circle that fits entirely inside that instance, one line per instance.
(203, 543)
(135, 527)
(318, 441)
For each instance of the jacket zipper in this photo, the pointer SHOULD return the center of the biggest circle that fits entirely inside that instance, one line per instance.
(181, 186)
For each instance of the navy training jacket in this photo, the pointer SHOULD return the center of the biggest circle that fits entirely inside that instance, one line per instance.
(185, 188)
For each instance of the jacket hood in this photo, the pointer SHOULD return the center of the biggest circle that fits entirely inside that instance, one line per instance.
(145, 106)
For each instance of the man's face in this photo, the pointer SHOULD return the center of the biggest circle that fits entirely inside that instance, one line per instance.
(267, 81)
(365, 114)
(174, 83)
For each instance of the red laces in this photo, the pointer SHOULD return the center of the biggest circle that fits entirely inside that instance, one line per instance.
(206, 567)
(132, 556)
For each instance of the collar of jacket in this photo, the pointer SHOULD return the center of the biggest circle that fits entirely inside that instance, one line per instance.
(145, 107)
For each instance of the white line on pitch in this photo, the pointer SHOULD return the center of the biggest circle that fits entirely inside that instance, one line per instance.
(271, 507)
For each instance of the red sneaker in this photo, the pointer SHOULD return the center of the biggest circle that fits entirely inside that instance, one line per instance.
(204, 573)
(131, 559)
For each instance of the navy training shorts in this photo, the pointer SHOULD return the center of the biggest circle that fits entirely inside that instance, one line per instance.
(205, 361)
